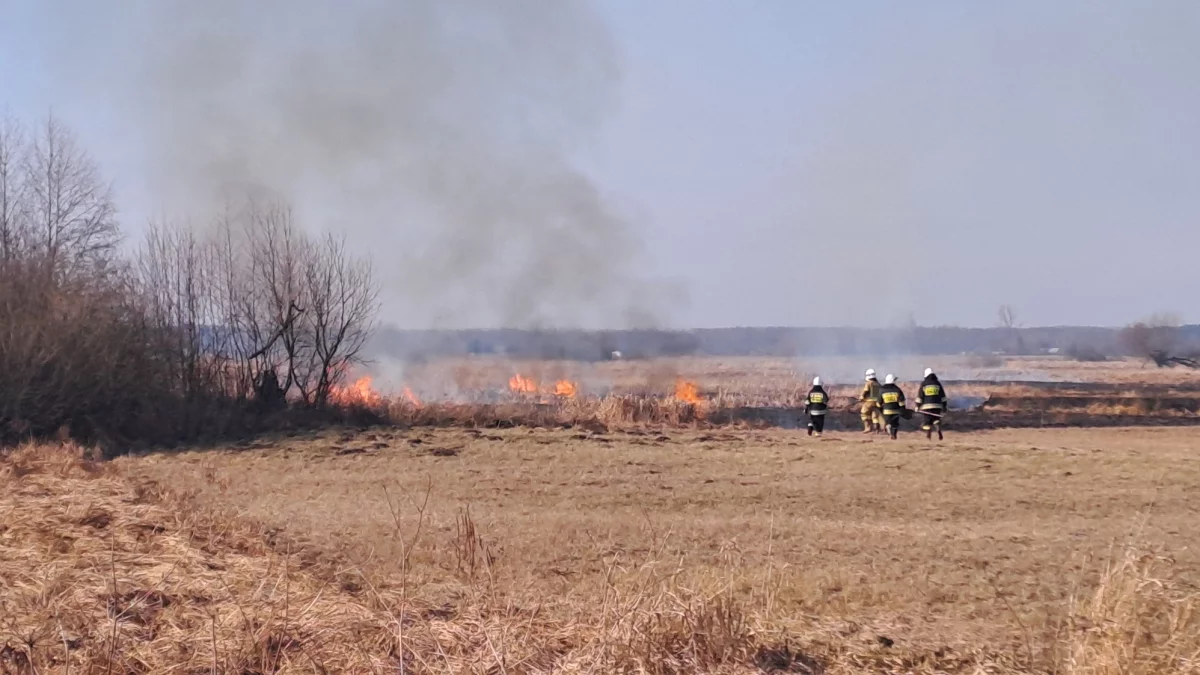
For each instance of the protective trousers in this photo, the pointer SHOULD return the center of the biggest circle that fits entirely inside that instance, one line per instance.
(816, 424)
(893, 424)
(932, 420)
(872, 418)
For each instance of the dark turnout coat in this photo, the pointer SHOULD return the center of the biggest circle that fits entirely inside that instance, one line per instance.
(892, 398)
(931, 397)
(817, 402)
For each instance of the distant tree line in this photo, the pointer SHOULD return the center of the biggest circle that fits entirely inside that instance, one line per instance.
(1079, 342)
(1161, 340)
(198, 331)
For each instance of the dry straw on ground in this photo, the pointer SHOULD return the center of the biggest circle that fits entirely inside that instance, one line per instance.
(104, 571)
(103, 576)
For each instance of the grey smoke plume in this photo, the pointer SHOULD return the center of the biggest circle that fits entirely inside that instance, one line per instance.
(438, 134)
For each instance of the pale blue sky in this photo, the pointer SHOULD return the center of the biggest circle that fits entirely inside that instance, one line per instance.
(809, 163)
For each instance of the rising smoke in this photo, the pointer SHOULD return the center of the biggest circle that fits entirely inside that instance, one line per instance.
(440, 135)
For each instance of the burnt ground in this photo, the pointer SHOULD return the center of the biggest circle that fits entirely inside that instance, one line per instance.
(1022, 405)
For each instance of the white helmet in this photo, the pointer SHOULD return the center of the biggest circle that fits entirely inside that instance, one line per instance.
(890, 379)
(928, 372)
(870, 373)
(816, 381)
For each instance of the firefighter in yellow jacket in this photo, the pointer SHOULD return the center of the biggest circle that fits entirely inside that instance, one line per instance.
(871, 417)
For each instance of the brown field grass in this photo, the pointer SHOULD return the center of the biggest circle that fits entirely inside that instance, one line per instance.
(523, 550)
(1030, 392)
(640, 540)
(760, 379)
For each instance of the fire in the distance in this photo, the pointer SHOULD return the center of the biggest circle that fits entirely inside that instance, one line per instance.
(687, 392)
(361, 392)
(520, 384)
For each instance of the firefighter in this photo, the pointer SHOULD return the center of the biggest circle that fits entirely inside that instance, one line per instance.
(815, 406)
(869, 398)
(932, 404)
(892, 400)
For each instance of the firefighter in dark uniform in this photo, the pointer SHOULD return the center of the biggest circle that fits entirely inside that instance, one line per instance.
(816, 406)
(932, 404)
(892, 401)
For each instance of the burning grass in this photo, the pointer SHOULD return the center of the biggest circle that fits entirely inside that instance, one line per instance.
(692, 409)
(734, 392)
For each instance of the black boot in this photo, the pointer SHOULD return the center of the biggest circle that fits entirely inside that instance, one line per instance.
(928, 434)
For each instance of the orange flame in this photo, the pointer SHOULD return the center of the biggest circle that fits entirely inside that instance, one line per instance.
(564, 388)
(358, 393)
(687, 392)
(522, 385)
(411, 397)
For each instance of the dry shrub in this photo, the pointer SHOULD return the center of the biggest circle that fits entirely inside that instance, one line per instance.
(640, 409)
(472, 554)
(73, 354)
(677, 631)
(1140, 620)
(612, 411)
(66, 460)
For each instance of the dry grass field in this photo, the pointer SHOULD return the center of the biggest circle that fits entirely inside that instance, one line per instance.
(758, 378)
(627, 548)
(986, 549)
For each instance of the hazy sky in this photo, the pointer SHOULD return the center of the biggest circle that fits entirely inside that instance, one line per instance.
(765, 162)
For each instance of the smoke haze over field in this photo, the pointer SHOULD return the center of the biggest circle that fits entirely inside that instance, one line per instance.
(525, 161)
(437, 134)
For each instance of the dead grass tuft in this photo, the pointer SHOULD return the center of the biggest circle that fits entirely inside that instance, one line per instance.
(1141, 619)
(678, 631)
(98, 579)
(64, 460)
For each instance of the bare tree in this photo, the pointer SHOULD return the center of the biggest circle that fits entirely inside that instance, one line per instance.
(259, 294)
(1008, 321)
(1156, 340)
(1007, 316)
(238, 334)
(343, 300)
(174, 340)
(279, 254)
(72, 214)
(13, 205)
(178, 277)
(74, 352)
